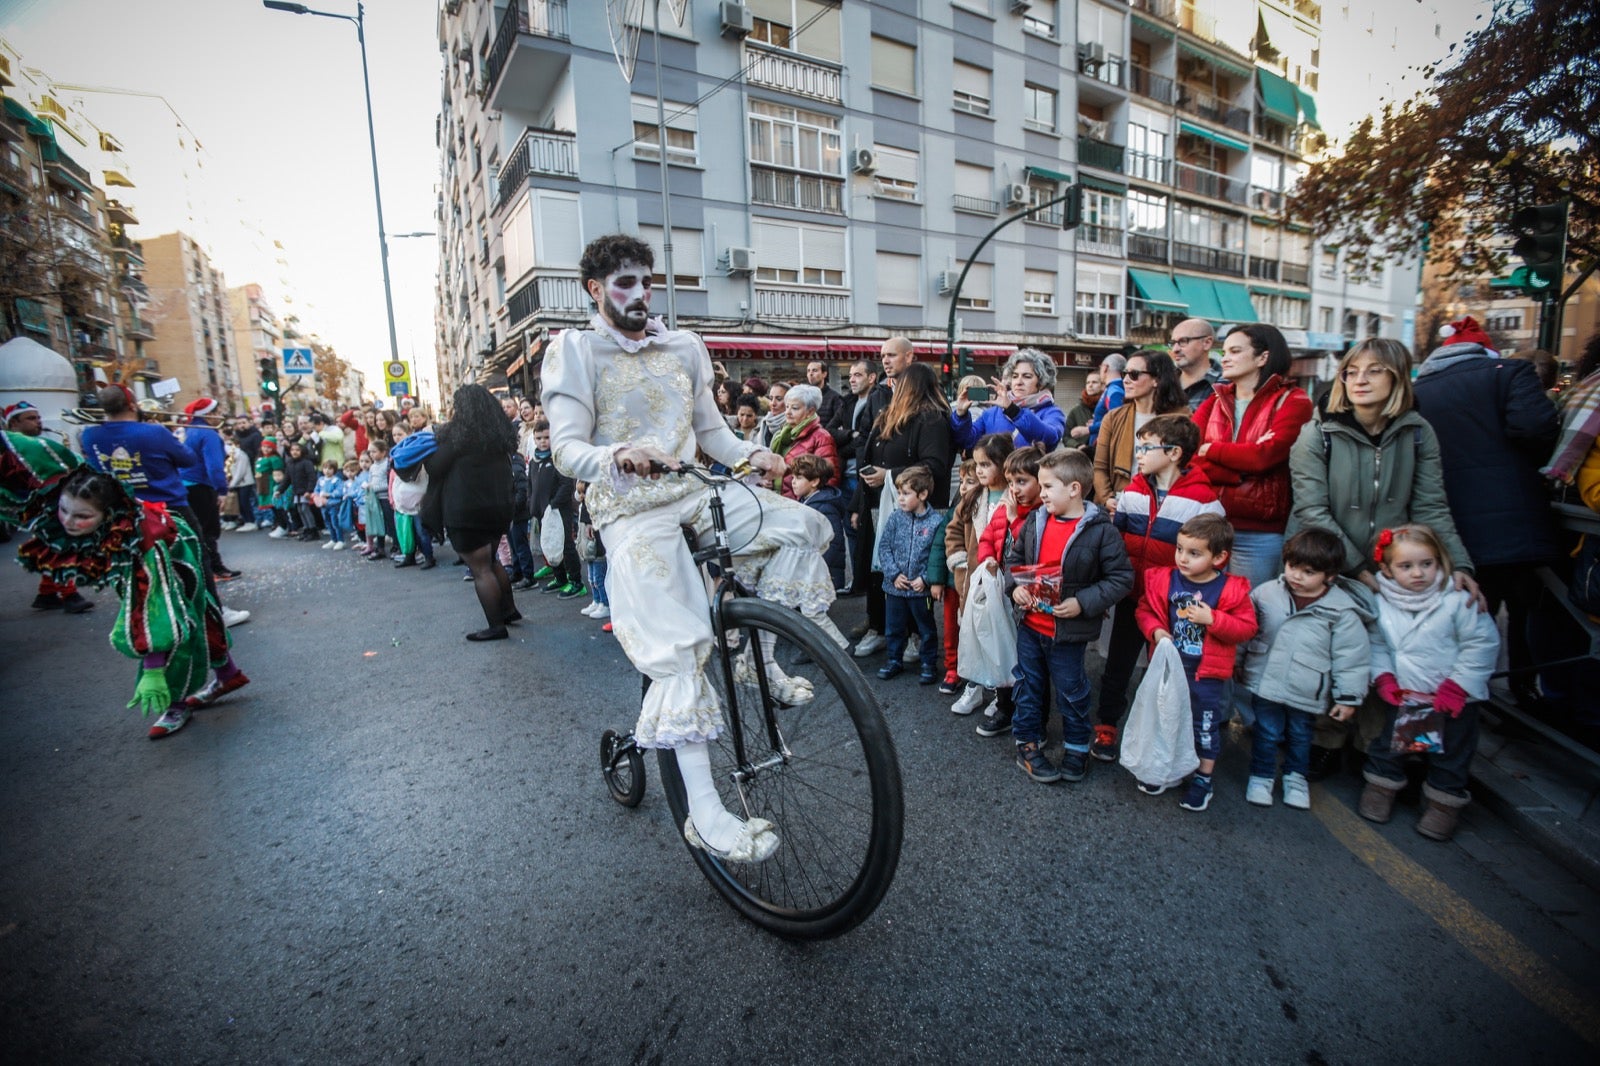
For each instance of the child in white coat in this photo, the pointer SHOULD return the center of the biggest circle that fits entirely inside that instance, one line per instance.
(1437, 650)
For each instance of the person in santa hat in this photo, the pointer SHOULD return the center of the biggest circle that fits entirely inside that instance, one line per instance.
(1495, 427)
(205, 480)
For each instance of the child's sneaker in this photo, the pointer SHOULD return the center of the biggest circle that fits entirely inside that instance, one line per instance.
(1074, 765)
(1105, 743)
(1296, 792)
(571, 591)
(995, 724)
(891, 670)
(1258, 791)
(973, 698)
(169, 723)
(543, 572)
(1150, 788)
(278, 533)
(587, 612)
(928, 676)
(950, 685)
(1198, 798)
(328, 544)
(339, 545)
(913, 652)
(1035, 765)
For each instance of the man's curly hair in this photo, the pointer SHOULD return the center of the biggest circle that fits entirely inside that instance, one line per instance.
(605, 254)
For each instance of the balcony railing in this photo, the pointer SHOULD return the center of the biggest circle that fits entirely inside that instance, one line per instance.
(1310, 9)
(1214, 260)
(1094, 152)
(1109, 70)
(558, 293)
(131, 250)
(803, 305)
(1265, 199)
(13, 173)
(538, 151)
(1147, 167)
(1263, 269)
(792, 74)
(1102, 325)
(138, 330)
(1104, 240)
(1150, 85)
(1146, 248)
(543, 18)
(975, 204)
(1204, 182)
(78, 214)
(1294, 274)
(1206, 105)
(1143, 315)
(803, 192)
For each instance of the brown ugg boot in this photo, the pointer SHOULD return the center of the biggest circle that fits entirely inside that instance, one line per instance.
(1377, 799)
(1438, 822)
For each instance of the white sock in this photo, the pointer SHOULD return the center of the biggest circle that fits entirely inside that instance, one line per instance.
(826, 625)
(716, 825)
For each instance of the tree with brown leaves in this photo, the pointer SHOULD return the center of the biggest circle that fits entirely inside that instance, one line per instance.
(1509, 121)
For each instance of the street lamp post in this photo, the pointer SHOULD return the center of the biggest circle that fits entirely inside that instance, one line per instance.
(372, 143)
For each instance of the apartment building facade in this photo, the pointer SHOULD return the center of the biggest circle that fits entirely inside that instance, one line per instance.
(259, 334)
(192, 322)
(833, 165)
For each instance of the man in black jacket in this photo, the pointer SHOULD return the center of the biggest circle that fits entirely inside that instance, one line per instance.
(871, 397)
(832, 412)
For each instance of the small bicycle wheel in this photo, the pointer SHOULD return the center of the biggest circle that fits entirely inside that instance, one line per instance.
(624, 770)
(830, 783)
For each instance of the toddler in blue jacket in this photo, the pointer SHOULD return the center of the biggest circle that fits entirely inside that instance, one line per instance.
(903, 559)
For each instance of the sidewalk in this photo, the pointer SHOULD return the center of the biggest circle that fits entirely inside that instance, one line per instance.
(1549, 795)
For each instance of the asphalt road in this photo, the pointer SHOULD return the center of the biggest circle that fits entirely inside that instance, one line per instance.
(394, 846)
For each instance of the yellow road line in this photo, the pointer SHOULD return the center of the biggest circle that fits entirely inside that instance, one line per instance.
(1491, 943)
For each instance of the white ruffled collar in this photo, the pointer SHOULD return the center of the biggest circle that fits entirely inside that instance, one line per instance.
(655, 331)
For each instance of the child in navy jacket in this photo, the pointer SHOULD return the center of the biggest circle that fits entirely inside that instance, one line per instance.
(903, 559)
(811, 474)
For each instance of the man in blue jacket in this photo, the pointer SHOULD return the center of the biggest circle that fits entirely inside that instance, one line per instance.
(205, 480)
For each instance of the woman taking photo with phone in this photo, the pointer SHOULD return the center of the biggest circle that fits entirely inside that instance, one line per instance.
(1022, 405)
(1151, 387)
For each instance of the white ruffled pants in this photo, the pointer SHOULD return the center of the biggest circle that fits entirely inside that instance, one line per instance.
(659, 609)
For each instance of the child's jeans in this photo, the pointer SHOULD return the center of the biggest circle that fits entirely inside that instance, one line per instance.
(1041, 662)
(1274, 721)
(246, 495)
(333, 521)
(521, 549)
(900, 614)
(1210, 700)
(597, 581)
(1447, 771)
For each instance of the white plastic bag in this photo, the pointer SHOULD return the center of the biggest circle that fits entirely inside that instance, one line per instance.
(552, 536)
(1158, 741)
(406, 496)
(988, 649)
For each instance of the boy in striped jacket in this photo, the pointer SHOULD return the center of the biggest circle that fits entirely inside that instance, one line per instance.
(1164, 494)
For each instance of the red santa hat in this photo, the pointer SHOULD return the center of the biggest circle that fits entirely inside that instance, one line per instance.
(202, 406)
(1465, 331)
(17, 408)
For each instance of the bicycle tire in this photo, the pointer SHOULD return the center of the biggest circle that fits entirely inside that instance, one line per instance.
(625, 776)
(837, 802)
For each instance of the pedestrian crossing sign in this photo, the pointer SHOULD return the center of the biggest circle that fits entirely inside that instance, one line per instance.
(298, 361)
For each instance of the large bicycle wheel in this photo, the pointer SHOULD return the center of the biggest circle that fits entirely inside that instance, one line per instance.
(831, 784)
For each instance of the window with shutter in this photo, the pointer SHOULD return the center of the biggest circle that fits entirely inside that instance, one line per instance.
(971, 88)
(899, 279)
(1038, 292)
(977, 292)
(897, 173)
(688, 256)
(894, 65)
(558, 236)
(683, 138)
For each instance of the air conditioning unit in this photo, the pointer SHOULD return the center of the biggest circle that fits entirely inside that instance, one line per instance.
(1091, 54)
(736, 19)
(1016, 194)
(946, 280)
(1019, 6)
(741, 260)
(863, 161)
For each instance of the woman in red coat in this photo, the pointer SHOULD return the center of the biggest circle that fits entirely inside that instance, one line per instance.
(803, 433)
(1248, 426)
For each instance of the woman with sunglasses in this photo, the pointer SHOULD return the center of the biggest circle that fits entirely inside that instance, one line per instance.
(1367, 463)
(1151, 387)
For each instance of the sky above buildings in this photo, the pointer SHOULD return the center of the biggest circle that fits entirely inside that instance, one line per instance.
(275, 102)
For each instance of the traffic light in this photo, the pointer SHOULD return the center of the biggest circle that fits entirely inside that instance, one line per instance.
(1072, 208)
(1542, 243)
(269, 379)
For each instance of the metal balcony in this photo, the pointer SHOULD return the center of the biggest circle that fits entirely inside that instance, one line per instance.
(1150, 85)
(526, 59)
(1110, 70)
(1100, 240)
(802, 305)
(1147, 167)
(1204, 182)
(552, 153)
(1263, 269)
(120, 213)
(1148, 249)
(1093, 152)
(1212, 260)
(792, 74)
(1294, 274)
(1204, 104)
(803, 192)
(558, 295)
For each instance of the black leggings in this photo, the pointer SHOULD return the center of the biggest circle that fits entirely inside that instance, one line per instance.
(208, 518)
(491, 582)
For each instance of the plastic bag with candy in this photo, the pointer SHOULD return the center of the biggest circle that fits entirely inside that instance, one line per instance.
(1043, 582)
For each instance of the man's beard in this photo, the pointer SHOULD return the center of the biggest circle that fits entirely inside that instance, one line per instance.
(629, 321)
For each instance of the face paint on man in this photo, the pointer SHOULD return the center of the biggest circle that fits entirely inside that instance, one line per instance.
(627, 302)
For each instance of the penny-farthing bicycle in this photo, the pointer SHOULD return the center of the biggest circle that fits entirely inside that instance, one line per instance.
(804, 746)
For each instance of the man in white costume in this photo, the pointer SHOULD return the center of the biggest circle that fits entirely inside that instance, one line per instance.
(624, 394)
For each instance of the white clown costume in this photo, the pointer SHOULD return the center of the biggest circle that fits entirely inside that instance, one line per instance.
(603, 392)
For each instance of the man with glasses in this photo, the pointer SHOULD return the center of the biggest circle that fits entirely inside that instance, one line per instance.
(1192, 341)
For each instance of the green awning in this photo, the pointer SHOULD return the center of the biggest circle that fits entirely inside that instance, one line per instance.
(1201, 297)
(1279, 98)
(31, 314)
(1089, 181)
(36, 126)
(1289, 294)
(1234, 299)
(1262, 290)
(1164, 32)
(1308, 108)
(1047, 175)
(1227, 66)
(1213, 136)
(52, 153)
(1158, 289)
